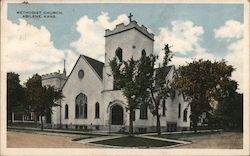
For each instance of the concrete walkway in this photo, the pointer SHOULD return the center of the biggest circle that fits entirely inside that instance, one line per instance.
(165, 139)
(90, 140)
(186, 132)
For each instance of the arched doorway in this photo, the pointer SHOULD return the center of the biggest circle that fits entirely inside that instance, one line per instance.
(117, 115)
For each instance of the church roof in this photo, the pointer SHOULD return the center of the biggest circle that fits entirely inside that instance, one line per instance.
(96, 65)
(164, 69)
(160, 71)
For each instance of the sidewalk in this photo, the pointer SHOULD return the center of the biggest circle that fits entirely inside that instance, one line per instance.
(165, 139)
(60, 131)
(104, 136)
(185, 132)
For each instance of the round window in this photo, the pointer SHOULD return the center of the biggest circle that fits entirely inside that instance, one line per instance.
(81, 74)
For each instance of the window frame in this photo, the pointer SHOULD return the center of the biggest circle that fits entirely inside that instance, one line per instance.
(179, 110)
(143, 112)
(66, 112)
(119, 54)
(143, 53)
(97, 110)
(80, 101)
(185, 115)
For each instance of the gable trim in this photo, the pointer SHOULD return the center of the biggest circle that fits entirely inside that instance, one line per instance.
(70, 72)
(91, 67)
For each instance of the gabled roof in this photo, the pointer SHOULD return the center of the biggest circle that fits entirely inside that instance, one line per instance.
(163, 70)
(96, 65)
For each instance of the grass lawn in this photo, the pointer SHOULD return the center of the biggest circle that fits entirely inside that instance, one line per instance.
(135, 142)
(25, 124)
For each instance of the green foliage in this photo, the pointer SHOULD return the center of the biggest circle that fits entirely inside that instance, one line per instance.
(201, 82)
(136, 80)
(145, 79)
(230, 111)
(133, 77)
(34, 92)
(15, 95)
(41, 98)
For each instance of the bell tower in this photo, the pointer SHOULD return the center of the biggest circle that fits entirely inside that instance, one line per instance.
(124, 42)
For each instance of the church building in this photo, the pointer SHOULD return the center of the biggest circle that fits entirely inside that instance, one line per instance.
(92, 101)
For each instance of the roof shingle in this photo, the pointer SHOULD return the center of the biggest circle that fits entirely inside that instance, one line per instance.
(96, 65)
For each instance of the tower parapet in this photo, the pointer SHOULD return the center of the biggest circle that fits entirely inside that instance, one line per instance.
(53, 75)
(132, 25)
(55, 79)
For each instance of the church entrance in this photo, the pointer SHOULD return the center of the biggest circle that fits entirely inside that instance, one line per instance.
(117, 115)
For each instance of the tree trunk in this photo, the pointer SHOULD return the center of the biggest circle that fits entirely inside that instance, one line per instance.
(12, 117)
(195, 126)
(158, 123)
(194, 118)
(42, 122)
(35, 118)
(130, 123)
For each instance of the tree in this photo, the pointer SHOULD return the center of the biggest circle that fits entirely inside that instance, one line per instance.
(41, 98)
(132, 78)
(33, 93)
(15, 95)
(229, 111)
(161, 90)
(201, 82)
(136, 80)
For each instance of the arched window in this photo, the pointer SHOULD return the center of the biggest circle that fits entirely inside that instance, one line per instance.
(143, 112)
(118, 54)
(163, 107)
(66, 111)
(185, 115)
(179, 111)
(143, 53)
(97, 110)
(80, 102)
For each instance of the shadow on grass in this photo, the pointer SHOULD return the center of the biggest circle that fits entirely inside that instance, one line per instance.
(82, 138)
(132, 141)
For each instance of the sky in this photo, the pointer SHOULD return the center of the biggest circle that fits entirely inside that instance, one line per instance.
(39, 44)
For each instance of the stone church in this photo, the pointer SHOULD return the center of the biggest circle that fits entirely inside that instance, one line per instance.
(92, 101)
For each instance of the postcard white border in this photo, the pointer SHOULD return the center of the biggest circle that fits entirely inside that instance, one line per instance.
(135, 152)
